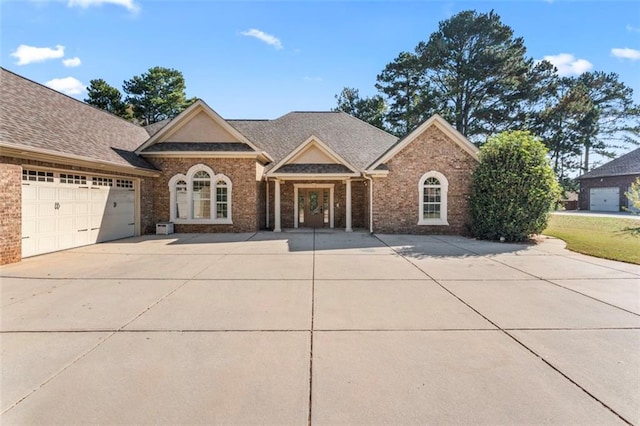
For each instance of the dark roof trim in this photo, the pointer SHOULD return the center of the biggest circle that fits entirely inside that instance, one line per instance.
(310, 168)
(198, 147)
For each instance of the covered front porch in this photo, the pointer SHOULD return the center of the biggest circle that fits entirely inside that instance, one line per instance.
(316, 204)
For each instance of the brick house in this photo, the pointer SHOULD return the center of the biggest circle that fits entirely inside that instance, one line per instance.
(74, 175)
(603, 188)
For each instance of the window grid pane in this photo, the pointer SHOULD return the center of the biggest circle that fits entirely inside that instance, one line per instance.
(431, 198)
(201, 198)
(181, 200)
(222, 205)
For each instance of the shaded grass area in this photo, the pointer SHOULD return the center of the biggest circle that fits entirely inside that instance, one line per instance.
(606, 237)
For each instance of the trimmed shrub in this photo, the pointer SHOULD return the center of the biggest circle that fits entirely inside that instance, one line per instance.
(513, 188)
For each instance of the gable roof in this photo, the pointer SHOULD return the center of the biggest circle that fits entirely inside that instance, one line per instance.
(193, 110)
(627, 164)
(312, 141)
(353, 140)
(36, 119)
(434, 120)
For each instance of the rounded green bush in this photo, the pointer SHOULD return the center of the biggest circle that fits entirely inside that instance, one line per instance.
(513, 188)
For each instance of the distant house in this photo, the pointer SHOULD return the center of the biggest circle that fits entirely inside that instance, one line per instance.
(603, 188)
(73, 175)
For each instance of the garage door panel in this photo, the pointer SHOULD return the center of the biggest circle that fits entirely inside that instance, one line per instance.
(46, 225)
(29, 211)
(604, 199)
(66, 194)
(81, 209)
(45, 208)
(29, 193)
(82, 194)
(47, 193)
(59, 214)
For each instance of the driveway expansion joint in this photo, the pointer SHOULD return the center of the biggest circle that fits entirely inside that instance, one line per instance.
(506, 332)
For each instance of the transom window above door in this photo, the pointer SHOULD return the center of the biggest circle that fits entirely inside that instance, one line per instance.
(200, 196)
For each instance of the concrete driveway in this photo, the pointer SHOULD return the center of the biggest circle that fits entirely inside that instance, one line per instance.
(319, 328)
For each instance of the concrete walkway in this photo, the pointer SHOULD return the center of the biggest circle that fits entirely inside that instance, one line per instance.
(319, 328)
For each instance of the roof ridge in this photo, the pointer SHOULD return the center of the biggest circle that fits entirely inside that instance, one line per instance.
(612, 164)
(70, 97)
(370, 125)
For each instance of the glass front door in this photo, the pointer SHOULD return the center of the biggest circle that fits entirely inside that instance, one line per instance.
(313, 208)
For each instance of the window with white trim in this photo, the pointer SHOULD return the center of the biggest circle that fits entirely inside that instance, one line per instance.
(181, 199)
(222, 200)
(200, 196)
(432, 199)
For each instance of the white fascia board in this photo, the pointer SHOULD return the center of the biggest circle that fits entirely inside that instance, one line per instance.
(44, 155)
(444, 126)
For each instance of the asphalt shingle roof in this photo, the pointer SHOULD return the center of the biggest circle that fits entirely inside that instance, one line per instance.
(36, 116)
(628, 164)
(357, 142)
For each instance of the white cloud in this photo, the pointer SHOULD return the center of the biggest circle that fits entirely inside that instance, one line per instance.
(626, 53)
(267, 38)
(633, 29)
(567, 64)
(67, 85)
(30, 54)
(84, 4)
(72, 62)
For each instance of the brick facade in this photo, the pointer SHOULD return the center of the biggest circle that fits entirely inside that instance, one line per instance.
(396, 196)
(621, 182)
(244, 194)
(10, 212)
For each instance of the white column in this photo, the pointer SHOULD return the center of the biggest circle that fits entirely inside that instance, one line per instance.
(348, 227)
(276, 225)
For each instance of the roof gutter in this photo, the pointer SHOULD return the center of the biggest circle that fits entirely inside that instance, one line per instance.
(45, 155)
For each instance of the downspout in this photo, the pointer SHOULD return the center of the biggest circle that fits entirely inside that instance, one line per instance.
(266, 179)
(370, 201)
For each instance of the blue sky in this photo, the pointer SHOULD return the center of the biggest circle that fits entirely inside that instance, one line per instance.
(264, 59)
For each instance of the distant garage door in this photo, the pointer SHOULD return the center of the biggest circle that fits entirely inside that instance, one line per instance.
(604, 199)
(61, 211)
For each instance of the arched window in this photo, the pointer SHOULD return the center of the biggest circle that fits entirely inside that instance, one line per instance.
(222, 200)
(182, 201)
(432, 201)
(200, 196)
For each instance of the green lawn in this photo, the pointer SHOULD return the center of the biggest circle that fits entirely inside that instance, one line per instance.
(597, 236)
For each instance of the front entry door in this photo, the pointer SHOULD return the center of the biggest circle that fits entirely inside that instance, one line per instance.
(313, 208)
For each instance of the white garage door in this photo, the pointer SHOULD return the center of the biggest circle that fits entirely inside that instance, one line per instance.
(604, 199)
(61, 211)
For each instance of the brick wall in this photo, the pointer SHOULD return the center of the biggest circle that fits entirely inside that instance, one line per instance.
(622, 182)
(241, 172)
(396, 197)
(10, 212)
